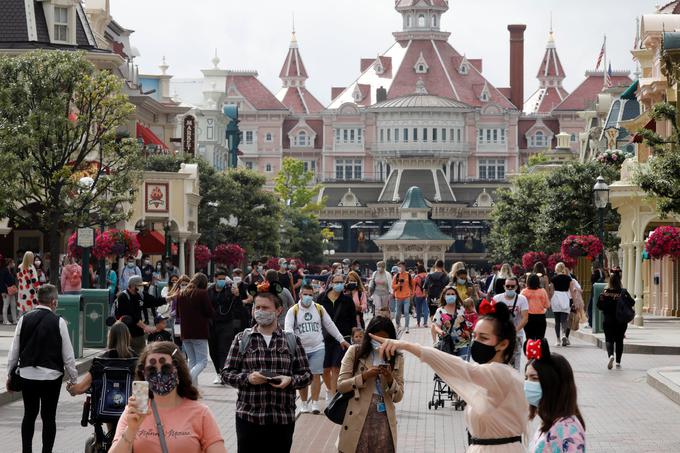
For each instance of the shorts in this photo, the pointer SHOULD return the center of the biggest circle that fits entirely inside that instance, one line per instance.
(315, 360)
(333, 354)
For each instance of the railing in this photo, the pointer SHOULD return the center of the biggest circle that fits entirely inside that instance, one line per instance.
(330, 177)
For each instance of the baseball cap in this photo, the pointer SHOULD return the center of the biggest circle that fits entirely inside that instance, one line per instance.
(135, 280)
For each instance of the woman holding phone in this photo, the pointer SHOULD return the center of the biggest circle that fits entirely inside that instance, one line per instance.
(164, 368)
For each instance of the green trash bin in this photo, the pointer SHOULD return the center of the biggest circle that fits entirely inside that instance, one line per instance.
(159, 287)
(598, 318)
(69, 308)
(95, 312)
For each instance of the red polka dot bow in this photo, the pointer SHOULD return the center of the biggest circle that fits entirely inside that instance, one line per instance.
(533, 350)
(487, 307)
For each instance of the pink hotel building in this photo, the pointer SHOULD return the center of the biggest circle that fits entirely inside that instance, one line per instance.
(419, 114)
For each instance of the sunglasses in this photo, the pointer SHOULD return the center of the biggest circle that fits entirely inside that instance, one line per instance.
(510, 287)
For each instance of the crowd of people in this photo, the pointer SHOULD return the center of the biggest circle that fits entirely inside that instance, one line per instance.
(276, 333)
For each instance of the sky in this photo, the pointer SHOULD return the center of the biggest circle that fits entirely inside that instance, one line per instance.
(333, 35)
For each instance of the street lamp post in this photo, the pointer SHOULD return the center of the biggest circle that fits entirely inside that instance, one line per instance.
(601, 199)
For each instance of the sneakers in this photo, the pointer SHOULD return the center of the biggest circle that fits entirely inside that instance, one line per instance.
(7, 323)
(329, 396)
(610, 363)
(217, 380)
(618, 366)
(564, 341)
(558, 344)
(304, 407)
(316, 410)
(568, 342)
(407, 330)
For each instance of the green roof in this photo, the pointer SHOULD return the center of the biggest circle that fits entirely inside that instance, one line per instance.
(415, 230)
(414, 199)
(671, 40)
(630, 91)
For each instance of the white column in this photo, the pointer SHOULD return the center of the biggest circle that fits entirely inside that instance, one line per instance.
(630, 272)
(182, 267)
(639, 317)
(192, 257)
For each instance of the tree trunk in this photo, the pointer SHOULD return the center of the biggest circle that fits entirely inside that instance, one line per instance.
(54, 243)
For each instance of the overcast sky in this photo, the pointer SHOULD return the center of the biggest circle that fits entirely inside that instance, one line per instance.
(334, 34)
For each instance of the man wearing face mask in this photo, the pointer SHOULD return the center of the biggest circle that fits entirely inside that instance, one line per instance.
(266, 365)
(519, 313)
(285, 278)
(128, 271)
(42, 348)
(229, 320)
(340, 307)
(170, 268)
(132, 302)
(147, 269)
(308, 320)
(256, 273)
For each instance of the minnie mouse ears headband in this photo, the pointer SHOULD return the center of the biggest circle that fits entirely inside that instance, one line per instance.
(486, 307)
(537, 350)
(274, 288)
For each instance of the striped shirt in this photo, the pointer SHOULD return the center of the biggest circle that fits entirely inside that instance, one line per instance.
(264, 404)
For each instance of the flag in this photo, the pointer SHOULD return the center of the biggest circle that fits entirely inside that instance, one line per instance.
(599, 58)
(608, 76)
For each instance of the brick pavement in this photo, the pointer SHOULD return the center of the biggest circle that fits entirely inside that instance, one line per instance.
(623, 413)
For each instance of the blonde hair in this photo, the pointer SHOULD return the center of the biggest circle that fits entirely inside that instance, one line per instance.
(506, 271)
(560, 268)
(353, 276)
(28, 260)
(456, 267)
(469, 303)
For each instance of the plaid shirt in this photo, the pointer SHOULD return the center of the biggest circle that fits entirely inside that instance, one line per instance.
(264, 404)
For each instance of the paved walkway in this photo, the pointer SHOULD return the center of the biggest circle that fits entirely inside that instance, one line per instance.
(623, 413)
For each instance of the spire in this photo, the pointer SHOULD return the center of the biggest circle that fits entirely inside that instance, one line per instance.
(551, 73)
(293, 72)
(164, 66)
(216, 61)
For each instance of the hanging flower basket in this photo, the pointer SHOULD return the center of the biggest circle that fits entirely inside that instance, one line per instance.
(576, 246)
(664, 241)
(116, 243)
(531, 258)
(229, 254)
(557, 258)
(613, 157)
(517, 269)
(202, 256)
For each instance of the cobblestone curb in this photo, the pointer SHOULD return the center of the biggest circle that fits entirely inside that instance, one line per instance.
(660, 380)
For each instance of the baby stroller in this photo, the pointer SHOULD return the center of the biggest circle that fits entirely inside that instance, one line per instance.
(106, 401)
(441, 392)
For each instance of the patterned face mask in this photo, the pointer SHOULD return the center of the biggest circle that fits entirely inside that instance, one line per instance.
(163, 382)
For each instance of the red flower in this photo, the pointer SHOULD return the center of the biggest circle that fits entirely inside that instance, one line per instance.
(664, 241)
(531, 258)
(576, 246)
(202, 256)
(229, 254)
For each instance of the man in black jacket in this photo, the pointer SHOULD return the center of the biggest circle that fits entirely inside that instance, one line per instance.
(340, 307)
(42, 348)
(434, 283)
(132, 302)
(230, 319)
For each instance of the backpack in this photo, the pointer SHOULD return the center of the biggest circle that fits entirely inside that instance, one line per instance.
(625, 312)
(111, 391)
(291, 339)
(434, 287)
(296, 310)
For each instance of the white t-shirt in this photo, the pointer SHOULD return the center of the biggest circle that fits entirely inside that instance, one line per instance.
(522, 305)
(309, 326)
(267, 338)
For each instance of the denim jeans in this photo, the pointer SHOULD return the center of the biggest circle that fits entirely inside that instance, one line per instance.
(422, 309)
(197, 353)
(403, 306)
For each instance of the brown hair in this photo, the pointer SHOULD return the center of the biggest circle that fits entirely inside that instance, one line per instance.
(270, 297)
(353, 276)
(119, 340)
(185, 388)
(442, 296)
(198, 281)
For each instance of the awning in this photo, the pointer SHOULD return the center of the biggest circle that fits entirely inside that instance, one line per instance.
(148, 137)
(630, 91)
(151, 242)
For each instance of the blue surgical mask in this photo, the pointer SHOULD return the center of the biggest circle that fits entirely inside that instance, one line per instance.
(131, 265)
(510, 292)
(450, 299)
(375, 344)
(307, 300)
(533, 392)
(461, 281)
(220, 283)
(338, 287)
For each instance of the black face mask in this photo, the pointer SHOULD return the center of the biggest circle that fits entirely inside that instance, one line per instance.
(482, 353)
(351, 286)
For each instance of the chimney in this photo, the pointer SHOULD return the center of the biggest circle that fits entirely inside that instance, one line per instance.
(380, 95)
(517, 64)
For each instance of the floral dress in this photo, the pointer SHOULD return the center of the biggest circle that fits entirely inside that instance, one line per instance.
(566, 435)
(28, 284)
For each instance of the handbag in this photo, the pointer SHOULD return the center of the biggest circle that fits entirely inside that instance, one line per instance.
(159, 427)
(15, 381)
(337, 407)
(12, 290)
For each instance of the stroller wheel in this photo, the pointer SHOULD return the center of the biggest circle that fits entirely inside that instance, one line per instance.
(90, 444)
(429, 404)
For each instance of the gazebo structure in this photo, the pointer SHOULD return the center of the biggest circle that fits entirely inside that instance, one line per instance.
(414, 236)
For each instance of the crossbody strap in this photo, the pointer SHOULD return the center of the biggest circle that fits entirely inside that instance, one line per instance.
(159, 427)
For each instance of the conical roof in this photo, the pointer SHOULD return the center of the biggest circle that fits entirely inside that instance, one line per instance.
(414, 199)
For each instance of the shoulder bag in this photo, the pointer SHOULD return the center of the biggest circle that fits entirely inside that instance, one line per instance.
(159, 427)
(337, 407)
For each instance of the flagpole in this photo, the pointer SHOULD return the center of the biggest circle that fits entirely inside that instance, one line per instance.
(604, 68)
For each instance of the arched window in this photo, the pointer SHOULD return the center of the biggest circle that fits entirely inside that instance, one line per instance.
(301, 139)
(434, 20)
(539, 139)
(421, 21)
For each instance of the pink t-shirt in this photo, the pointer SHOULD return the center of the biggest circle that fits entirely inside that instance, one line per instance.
(189, 428)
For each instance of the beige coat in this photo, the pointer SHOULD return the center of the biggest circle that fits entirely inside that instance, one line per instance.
(357, 408)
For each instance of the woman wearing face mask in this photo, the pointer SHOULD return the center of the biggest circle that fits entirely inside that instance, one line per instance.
(171, 293)
(159, 274)
(71, 276)
(193, 424)
(358, 293)
(308, 320)
(379, 287)
(449, 320)
(370, 423)
(195, 311)
(550, 389)
(497, 411)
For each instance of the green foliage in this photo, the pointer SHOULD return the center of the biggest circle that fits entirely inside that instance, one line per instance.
(660, 178)
(292, 185)
(541, 209)
(302, 236)
(537, 159)
(58, 123)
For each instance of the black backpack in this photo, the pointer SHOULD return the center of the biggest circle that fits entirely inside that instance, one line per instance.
(625, 311)
(434, 287)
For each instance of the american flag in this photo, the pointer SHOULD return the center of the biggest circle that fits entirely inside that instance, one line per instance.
(599, 58)
(608, 76)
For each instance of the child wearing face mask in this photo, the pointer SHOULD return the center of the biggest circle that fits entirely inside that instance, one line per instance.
(356, 289)
(308, 320)
(550, 390)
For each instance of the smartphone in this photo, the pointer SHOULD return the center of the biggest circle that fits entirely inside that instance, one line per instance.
(237, 280)
(274, 380)
(140, 389)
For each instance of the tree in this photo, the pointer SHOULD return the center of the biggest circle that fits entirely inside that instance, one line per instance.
(301, 229)
(61, 163)
(660, 178)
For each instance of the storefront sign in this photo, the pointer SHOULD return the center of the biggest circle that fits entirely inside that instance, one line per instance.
(156, 197)
(85, 237)
(189, 135)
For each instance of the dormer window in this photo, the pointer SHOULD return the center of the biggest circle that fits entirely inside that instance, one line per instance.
(356, 95)
(301, 139)
(538, 140)
(421, 66)
(421, 21)
(379, 68)
(464, 68)
(484, 97)
(61, 24)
